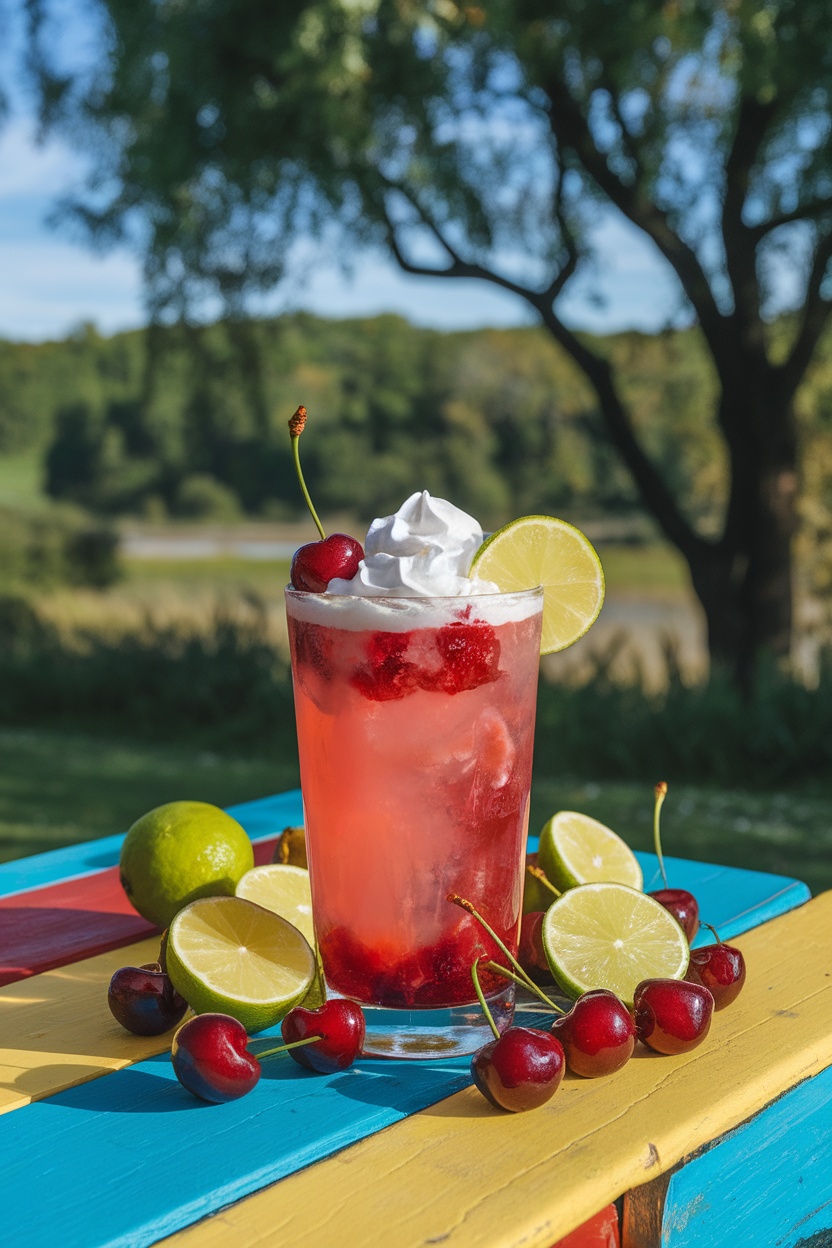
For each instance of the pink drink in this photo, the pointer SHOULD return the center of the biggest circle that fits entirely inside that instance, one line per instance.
(415, 725)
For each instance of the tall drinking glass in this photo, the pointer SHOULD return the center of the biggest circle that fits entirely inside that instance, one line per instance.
(415, 725)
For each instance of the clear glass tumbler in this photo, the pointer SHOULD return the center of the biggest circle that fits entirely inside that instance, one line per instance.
(415, 722)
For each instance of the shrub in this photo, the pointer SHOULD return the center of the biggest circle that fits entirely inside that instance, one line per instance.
(58, 545)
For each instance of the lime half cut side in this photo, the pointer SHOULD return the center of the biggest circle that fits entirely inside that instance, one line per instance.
(231, 956)
(576, 849)
(284, 890)
(540, 550)
(611, 936)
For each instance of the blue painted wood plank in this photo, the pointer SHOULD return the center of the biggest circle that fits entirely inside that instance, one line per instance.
(767, 1183)
(132, 1157)
(260, 818)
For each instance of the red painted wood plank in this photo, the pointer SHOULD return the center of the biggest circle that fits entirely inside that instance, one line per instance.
(62, 923)
(600, 1231)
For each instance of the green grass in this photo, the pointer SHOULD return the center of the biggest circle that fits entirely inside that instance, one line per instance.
(57, 788)
(21, 478)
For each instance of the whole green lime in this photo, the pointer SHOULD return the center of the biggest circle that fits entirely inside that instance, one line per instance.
(179, 852)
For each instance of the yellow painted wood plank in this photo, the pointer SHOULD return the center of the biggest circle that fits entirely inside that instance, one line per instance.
(467, 1176)
(56, 1029)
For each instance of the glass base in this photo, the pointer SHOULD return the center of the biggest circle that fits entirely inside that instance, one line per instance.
(424, 1034)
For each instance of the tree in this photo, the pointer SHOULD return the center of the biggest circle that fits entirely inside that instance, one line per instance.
(482, 140)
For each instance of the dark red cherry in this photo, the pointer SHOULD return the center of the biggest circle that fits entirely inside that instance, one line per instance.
(143, 1000)
(317, 563)
(341, 1026)
(672, 1015)
(530, 952)
(598, 1034)
(521, 1070)
(211, 1059)
(719, 968)
(683, 906)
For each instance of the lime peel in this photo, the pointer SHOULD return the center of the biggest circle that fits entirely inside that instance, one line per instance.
(542, 550)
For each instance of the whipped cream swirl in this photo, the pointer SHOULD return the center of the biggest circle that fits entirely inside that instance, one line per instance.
(424, 550)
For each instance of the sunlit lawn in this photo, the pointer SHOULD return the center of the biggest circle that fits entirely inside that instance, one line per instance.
(60, 787)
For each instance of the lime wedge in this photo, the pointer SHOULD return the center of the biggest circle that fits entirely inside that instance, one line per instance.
(611, 936)
(539, 550)
(575, 849)
(229, 956)
(282, 889)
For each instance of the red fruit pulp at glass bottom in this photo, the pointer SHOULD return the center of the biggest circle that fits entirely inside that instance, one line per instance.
(720, 969)
(671, 1015)
(436, 976)
(598, 1034)
(520, 1071)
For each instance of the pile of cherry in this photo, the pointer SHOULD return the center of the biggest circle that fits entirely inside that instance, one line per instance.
(519, 1069)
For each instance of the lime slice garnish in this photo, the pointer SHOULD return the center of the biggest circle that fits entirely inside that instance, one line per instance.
(282, 889)
(611, 936)
(575, 849)
(228, 955)
(540, 550)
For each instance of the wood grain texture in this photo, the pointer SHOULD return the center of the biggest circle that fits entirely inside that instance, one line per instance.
(463, 1175)
(56, 1029)
(785, 1153)
(261, 818)
(79, 918)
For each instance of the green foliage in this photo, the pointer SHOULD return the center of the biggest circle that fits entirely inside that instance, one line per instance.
(53, 546)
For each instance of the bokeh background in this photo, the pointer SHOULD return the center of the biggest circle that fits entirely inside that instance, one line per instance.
(565, 258)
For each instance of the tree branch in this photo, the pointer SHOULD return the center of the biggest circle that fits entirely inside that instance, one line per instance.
(806, 212)
(816, 312)
(572, 131)
(753, 119)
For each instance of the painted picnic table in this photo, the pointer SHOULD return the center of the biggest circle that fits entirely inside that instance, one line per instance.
(99, 1145)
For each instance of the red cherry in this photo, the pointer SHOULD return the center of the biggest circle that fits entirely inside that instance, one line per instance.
(341, 1026)
(521, 1070)
(719, 968)
(530, 952)
(672, 1015)
(598, 1034)
(683, 906)
(143, 1000)
(211, 1060)
(317, 563)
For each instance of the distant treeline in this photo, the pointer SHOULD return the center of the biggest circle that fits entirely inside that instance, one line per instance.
(185, 421)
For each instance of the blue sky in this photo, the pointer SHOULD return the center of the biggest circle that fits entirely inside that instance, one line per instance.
(50, 281)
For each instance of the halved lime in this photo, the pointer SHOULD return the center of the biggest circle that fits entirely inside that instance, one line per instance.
(282, 889)
(230, 956)
(540, 550)
(611, 936)
(576, 849)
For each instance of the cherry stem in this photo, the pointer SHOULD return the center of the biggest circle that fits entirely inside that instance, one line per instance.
(711, 928)
(296, 425)
(496, 969)
(482, 1000)
(661, 793)
(540, 874)
(284, 1048)
(469, 906)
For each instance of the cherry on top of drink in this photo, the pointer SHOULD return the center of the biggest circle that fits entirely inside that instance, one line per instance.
(317, 563)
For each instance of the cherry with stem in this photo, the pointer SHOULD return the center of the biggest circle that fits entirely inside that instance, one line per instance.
(519, 977)
(678, 901)
(720, 968)
(317, 563)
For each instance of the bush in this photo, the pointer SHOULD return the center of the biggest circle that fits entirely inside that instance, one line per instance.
(202, 497)
(59, 545)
